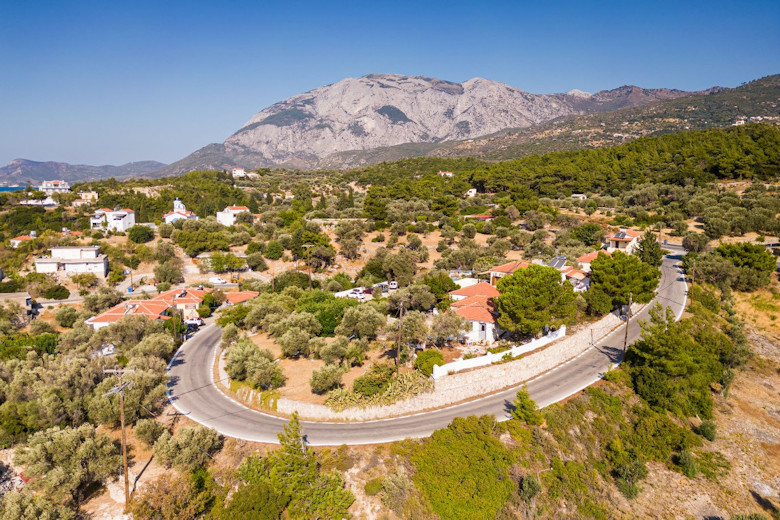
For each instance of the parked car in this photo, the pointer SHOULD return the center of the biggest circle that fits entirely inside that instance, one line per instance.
(217, 280)
(198, 322)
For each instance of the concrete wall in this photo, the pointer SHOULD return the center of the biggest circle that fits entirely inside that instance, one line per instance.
(489, 359)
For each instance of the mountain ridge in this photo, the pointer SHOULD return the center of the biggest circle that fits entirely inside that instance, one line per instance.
(25, 171)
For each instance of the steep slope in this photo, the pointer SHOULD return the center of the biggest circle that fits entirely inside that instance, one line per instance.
(23, 171)
(367, 114)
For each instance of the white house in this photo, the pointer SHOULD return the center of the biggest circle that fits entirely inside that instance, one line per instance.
(474, 303)
(80, 202)
(227, 217)
(73, 260)
(471, 192)
(17, 241)
(625, 240)
(113, 220)
(503, 270)
(180, 212)
(238, 172)
(579, 196)
(446, 174)
(51, 187)
(89, 196)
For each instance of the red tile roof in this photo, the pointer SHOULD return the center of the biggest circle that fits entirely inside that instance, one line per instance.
(239, 297)
(25, 237)
(238, 208)
(479, 289)
(151, 308)
(477, 310)
(509, 267)
(589, 257)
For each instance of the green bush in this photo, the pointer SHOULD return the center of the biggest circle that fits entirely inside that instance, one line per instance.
(66, 316)
(140, 234)
(375, 382)
(525, 408)
(326, 378)
(58, 292)
(427, 359)
(148, 431)
(274, 250)
(373, 486)
(687, 463)
(708, 430)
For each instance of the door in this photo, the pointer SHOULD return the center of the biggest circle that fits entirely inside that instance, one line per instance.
(482, 331)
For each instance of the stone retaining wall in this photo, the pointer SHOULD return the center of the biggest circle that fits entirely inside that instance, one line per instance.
(466, 385)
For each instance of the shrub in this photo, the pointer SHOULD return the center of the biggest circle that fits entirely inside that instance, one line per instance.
(688, 464)
(326, 378)
(708, 430)
(58, 292)
(427, 359)
(375, 382)
(373, 486)
(274, 250)
(148, 431)
(165, 230)
(163, 286)
(525, 408)
(66, 316)
(189, 450)
(140, 234)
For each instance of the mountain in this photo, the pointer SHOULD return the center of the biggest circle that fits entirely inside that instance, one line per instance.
(358, 116)
(23, 171)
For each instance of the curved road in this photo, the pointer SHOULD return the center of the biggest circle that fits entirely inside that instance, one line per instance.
(192, 391)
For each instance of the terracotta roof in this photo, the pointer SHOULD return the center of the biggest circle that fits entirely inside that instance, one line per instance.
(589, 257)
(484, 301)
(576, 274)
(128, 210)
(150, 308)
(181, 296)
(509, 267)
(25, 237)
(239, 297)
(179, 212)
(477, 311)
(238, 208)
(479, 289)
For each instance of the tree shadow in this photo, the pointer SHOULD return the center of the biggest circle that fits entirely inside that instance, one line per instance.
(764, 503)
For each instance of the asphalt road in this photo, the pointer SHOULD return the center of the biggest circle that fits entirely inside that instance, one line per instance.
(192, 391)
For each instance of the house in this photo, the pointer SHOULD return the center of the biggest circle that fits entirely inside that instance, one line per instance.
(17, 241)
(179, 212)
(625, 240)
(152, 309)
(579, 196)
(481, 314)
(73, 260)
(52, 187)
(184, 301)
(238, 173)
(481, 289)
(587, 258)
(89, 196)
(80, 202)
(445, 174)
(471, 193)
(117, 220)
(475, 304)
(227, 217)
(578, 278)
(503, 270)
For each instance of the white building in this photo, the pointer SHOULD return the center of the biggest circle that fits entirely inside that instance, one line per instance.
(227, 217)
(73, 260)
(471, 193)
(625, 240)
(579, 196)
(89, 196)
(238, 172)
(17, 241)
(474, 303)
(587, 258)
(446, 174)
(180, 212)
(113, 220)
(80, 202)
(51, 187)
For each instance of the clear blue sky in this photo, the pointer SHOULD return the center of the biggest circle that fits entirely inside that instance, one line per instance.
(108, 82)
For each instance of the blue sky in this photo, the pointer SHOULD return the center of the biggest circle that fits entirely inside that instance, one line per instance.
(105, 82)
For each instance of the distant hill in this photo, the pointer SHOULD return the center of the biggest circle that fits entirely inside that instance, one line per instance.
(352, 121)
(23, 171)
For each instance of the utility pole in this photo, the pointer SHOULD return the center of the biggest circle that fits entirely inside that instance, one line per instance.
(628, 320)
(693, 278)
(398, 339)
(120, 389)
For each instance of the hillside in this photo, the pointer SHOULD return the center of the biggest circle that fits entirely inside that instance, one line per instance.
(350, 122)
(22, 171)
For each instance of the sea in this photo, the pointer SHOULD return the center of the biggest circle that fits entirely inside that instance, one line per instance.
(11, 188)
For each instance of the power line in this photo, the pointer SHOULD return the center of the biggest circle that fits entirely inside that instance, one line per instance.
(120, 389)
